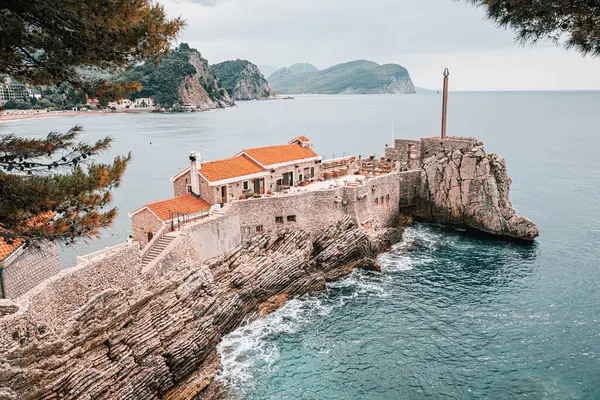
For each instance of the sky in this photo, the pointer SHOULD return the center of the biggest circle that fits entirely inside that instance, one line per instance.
(425, 36)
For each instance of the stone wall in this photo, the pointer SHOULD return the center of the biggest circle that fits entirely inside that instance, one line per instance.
(372, 205)
(180, 185)
(431, 146)
(406, 152)
(142, 223)
(29, 268)
(52, 302)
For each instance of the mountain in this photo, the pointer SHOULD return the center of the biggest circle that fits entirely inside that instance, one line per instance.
(267, 70)
(181, 77)
(242, 80)
(355, 77)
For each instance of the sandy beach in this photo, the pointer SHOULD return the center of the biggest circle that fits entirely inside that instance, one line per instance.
(52, 114)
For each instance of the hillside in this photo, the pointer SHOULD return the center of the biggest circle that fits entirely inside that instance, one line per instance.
(355, 77)
(181, 77)
(242, 80)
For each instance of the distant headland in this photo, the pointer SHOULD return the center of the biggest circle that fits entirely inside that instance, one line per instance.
(354, 77)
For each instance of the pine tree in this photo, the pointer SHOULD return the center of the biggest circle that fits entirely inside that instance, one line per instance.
(50, 188)
(571, 23)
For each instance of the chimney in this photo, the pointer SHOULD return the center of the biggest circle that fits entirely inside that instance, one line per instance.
(194, 166)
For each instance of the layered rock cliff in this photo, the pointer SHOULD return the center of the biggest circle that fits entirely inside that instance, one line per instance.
(202, 89)
(153, 333)
(461, 183)
(242, 80)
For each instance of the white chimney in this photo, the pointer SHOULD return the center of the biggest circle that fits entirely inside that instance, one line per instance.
(194, 166)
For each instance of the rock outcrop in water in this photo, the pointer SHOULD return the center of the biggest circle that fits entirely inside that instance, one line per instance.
(155, 335)
(461, 183)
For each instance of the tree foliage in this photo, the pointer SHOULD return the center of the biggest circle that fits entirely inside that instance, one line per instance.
(571, 23)
(50, 42)
(52, 175)
(45, 41)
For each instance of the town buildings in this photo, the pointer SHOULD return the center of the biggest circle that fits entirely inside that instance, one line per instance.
(256, 172)
(12, 90)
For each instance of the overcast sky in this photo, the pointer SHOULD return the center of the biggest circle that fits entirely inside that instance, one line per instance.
(423, 35)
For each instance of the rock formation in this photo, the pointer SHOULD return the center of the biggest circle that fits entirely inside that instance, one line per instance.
(243, 80)
(155, 337)
(202, 89)
(461, 183)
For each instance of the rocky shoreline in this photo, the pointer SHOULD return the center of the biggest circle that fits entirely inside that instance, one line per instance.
(158, 339)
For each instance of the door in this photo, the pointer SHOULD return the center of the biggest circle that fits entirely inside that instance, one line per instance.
(257, 186)
(223, 194)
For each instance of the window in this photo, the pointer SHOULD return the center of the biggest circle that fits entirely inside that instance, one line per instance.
(246, 185)
(259, 228)
(189, 188)
(312, 172)
(279, 220)
(300, 177)
(307, 173)
(376, 200)
(291, 218)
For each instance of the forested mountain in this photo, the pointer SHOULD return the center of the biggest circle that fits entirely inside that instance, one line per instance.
(242, 80)
(355, 77)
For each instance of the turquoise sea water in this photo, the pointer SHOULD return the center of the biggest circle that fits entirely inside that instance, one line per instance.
(452, 315)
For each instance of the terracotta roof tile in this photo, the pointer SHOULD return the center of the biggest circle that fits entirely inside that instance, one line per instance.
(303, 138)
(7, 249)
(228, 168)
(280, 154)
(186, 204)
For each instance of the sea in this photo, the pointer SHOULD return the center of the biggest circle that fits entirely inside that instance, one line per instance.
(453, 314)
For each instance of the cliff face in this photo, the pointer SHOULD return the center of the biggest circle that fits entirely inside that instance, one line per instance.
(180, 77)
(153, 334)
(243, 80)
(202, 88)
(396, 85)
(460, 183)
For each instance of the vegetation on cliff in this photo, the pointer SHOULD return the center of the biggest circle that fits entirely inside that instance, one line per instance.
(46, 43)
(351, 77)
(164, 79)
(242, 80)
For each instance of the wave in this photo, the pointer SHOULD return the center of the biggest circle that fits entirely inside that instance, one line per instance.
(251, 351)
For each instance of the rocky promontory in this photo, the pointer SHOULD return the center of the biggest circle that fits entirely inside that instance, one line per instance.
(153, 333)
(182, 77)
(242, 80)
(462, 184)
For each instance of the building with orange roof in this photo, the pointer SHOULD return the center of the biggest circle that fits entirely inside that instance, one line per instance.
(251, 172)
(150, 218)
(23, 267)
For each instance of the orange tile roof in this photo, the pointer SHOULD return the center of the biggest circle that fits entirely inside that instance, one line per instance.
(303, 138)
(228, 168)
(7, 249)
(186, 204)
(280, 154)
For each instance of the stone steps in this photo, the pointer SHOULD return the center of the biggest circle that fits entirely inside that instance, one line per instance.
(157, 248)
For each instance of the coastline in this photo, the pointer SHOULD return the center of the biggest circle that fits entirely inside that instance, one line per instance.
(55, 114)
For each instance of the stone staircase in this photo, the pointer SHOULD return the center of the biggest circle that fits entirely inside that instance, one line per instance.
(157, 248)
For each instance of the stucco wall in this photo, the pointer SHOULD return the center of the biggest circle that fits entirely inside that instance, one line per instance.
(215, 236)
(28, 269)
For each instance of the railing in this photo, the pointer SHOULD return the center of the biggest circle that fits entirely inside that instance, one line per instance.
(98, 255)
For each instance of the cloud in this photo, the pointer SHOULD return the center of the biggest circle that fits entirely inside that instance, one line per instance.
(408, 32)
